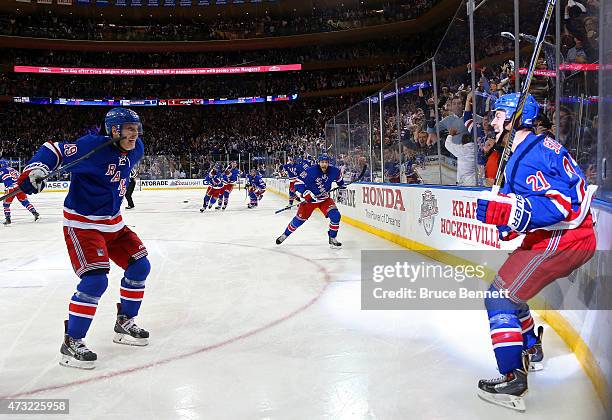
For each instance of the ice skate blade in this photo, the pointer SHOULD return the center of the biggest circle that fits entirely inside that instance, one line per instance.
(68, 361)
(128, 340)
(335, 247)
(504, 400)
(536, 366)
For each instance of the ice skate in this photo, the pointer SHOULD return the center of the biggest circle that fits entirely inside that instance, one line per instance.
(281, 239)
(36, 216)
(129, 207)
(508, 390)
(334, 244)
(202, 209)
(7, 221)
(127, 332)
(536, 354)
(76, 354)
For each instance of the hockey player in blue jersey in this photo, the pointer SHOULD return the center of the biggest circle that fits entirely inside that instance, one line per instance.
(256, 187)
(291, 170)
(214, 180)
(9, 178)
(94, 230)
(230, 179)
(313, 186)
(545, 197)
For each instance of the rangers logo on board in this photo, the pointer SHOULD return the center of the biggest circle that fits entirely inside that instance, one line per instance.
(429, 210)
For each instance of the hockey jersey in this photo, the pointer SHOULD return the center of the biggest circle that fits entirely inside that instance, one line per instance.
(317, 183)
(256, 181)
(215, 180)
(98, 183)
(9, 176)
(544, 173)
(292, 171)
(232, 175)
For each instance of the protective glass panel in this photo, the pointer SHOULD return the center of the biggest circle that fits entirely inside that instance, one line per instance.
(415, 104)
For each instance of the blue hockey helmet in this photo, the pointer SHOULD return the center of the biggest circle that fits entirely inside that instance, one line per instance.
(509, 103)
(116, 117)
(324, 156)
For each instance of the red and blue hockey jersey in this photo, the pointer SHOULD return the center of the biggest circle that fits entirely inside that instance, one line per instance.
(292, 170)
(256, 182)
(232, 175)
(543, 172)
(312, 181)
(9, 176)
(215, 179)
(98, 183)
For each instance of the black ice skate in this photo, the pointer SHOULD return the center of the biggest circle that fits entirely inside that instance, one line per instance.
(281, 239)
(7, 221)
(507, 391)
(251, 206)
(127, 332)
(129, 207)
(203, 209)
(36, 216)
(536, 354)
(76, 354)
(334, 244)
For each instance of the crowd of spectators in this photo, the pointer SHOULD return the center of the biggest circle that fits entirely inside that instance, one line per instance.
(221, 131)
(324, 19)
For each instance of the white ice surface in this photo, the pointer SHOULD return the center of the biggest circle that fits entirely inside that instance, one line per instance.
(243, 329)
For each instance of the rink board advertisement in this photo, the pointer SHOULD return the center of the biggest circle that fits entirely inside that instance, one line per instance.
(141, 185)
(170, 184)
(426, 218)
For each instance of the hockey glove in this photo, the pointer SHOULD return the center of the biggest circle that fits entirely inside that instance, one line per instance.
(32, 181)
(510, 210)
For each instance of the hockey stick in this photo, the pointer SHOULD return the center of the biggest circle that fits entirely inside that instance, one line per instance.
(359, 178)
(518, 114)
(70, 165)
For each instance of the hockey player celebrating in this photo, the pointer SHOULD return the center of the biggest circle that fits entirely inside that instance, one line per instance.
(94, 229)
(256, 187)
(230, 178)
(291, 170)
(546, 198)
(313, 186)
(214, 180)
(9, 178)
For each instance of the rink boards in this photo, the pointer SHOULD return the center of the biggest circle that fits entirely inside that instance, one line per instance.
(142, 185)
(441, 222)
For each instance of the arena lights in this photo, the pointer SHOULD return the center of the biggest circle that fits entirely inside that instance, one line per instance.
(157, 72)
(154, 102)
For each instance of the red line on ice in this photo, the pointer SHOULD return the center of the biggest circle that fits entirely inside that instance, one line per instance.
(320, 268)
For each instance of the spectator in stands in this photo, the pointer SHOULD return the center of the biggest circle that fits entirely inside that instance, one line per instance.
(466, 157)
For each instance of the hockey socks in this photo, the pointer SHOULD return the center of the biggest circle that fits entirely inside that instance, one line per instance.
(295, 223)
(334, 222)
(133, 286)
(84, 303)
(506, 332)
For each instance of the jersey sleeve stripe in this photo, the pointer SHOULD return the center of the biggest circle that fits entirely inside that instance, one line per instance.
(53, 147)
(562, 202)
